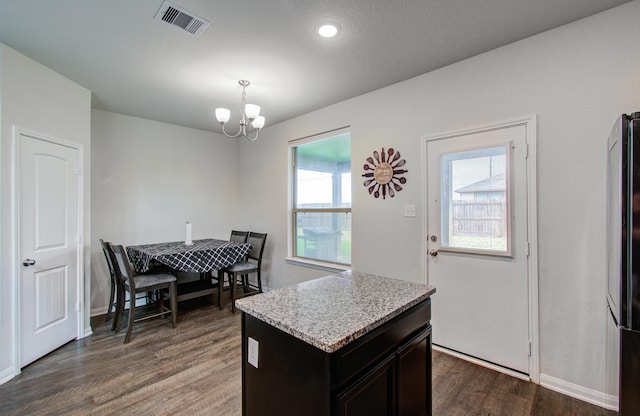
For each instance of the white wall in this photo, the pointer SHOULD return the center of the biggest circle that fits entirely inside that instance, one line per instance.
(149, 178)
(577, 79)
(35, 98)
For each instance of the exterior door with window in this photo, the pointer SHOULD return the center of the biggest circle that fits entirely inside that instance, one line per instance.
(477, 244)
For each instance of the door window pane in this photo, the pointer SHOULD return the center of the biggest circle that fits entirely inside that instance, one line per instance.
(475, 200)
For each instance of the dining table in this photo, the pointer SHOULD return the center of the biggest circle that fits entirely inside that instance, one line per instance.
(202, 256)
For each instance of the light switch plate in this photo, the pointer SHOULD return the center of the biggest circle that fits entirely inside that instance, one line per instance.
(252, 355)
(410, 210)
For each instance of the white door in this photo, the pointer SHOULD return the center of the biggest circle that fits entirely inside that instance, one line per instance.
(49, 231)
(477, 244)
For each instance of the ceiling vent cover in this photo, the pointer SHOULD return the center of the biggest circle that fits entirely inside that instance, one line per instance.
(184, 19)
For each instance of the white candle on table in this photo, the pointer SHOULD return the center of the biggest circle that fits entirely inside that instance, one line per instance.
(188, 241)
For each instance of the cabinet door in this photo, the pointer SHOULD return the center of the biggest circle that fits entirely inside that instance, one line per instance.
(373, 394)
(414, 375)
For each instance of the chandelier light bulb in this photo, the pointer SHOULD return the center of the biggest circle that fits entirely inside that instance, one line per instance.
(223, 115)
(252, 111)
(258, 123)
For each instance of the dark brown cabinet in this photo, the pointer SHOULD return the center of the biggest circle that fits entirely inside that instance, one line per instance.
(414, 375)
(397, 386)
(374, 394)
(385, 372)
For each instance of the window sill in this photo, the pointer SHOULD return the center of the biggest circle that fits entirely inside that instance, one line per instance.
(314, 264)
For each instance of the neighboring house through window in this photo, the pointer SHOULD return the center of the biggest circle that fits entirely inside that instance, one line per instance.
(321, 197)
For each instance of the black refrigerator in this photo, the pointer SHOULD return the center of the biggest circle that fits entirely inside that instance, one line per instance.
(623, 263)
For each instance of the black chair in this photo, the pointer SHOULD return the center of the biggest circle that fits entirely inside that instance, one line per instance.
(128, 281)
(113, 278)
(252, 264)
(236, 237)
(239, 236)
(113, 301)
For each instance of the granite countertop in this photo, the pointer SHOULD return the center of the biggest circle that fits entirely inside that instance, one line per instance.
(332, 311)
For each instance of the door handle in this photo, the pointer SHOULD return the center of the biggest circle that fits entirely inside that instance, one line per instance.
(433, 252)
(28, 262)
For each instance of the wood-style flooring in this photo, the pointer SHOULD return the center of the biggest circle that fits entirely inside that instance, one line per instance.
(194, 369)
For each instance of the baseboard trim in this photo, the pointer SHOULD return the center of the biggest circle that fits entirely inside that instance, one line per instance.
(576, 391)
(7, 374)
(87, 332)
(482, 363)
(98, 311)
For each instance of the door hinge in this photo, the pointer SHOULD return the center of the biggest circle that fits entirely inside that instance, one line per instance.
(528, 249)
(526, 150)
(529, 348)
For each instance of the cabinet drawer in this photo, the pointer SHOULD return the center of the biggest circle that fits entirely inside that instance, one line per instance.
(364, 352)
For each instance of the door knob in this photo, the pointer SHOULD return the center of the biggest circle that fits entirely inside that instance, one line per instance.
(28, 262)
(433, 252)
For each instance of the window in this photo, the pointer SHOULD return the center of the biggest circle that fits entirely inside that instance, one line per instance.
(321, 211)
(475, 200)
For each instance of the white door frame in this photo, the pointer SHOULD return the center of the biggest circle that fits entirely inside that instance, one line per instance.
(15, 236)
(530, 123)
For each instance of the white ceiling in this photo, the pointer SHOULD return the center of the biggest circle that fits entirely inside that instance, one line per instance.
(139, 66)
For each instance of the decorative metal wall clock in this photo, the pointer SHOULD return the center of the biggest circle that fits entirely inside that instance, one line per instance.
(383, 176)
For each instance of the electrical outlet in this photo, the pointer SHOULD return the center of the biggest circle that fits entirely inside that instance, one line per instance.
(253, 352)
(410, 210)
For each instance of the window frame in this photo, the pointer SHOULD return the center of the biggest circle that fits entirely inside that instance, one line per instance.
(508, 252)
(294, 258)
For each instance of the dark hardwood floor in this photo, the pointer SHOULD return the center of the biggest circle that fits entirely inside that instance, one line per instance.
(194, 369)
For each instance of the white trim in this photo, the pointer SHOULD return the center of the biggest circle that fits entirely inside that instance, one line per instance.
(328, 267)
(7, 374)
(14, 261)
(532, 232)
(425, 212)
(102, 310)
(84, 328)
(324, 135)
(530, 123)
(576, 391)
(481, 363)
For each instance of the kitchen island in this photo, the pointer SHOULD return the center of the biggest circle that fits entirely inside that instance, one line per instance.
(344, 344)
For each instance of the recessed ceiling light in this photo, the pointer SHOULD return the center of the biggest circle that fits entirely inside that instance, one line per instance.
(328, 30)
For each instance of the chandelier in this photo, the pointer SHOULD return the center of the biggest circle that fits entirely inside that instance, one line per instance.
(250, 119)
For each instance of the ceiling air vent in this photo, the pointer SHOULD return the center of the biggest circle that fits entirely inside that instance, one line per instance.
(184, 19)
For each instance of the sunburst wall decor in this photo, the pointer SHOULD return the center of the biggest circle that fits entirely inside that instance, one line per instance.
(383, 173)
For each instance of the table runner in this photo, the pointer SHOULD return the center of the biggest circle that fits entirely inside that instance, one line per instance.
(202, 256)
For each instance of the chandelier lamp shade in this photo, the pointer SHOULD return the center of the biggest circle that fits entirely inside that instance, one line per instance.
(250, 119)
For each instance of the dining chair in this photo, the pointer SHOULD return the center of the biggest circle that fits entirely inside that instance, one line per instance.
(113, 299)
(239, 236)
(112, 276)
(133, 283)
(242, 269)
(236, 237)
